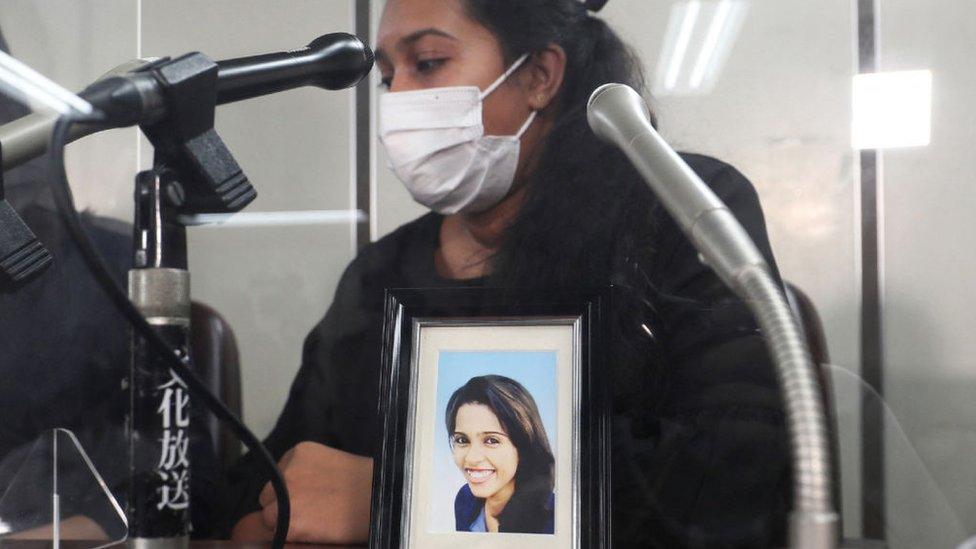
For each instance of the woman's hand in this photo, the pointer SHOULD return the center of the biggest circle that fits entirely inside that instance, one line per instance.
(76, 527)
(251, 528)
(330, 495)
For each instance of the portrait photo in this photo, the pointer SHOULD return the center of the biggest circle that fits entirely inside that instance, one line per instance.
(494, 464)
(494, 428)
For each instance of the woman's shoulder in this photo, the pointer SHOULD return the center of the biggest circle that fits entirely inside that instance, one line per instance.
(424, 227)
(466, 507)
(723, 178)
(410, 243)
(464, 496)
(703, 164)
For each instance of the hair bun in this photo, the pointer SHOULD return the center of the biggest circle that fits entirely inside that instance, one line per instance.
(594, 5)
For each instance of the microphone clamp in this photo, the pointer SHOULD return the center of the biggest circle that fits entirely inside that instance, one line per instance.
(22, 255)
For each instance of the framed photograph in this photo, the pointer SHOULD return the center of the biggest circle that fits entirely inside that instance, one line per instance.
(495, 421)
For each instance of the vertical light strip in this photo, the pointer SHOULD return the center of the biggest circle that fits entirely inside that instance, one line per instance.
(364, 149)
(138, 56)
(681, 47)
(374, 217)
(708, 51)
(873, 465)
(353, 145)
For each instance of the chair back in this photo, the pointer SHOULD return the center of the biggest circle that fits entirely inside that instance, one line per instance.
(216, 361)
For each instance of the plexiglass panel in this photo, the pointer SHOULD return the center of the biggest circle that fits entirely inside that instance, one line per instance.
(927, 204)
(766, 87)
(771, 87)
(271, 278)
(57, 494)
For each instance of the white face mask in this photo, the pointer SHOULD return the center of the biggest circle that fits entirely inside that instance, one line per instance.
(437, 146)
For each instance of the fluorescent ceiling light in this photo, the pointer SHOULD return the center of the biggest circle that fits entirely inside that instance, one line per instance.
(698, 40)
(273, 219)
(892, 109)
(719, 21)
(688, 19)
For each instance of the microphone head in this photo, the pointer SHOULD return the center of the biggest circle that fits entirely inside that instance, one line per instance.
(344, 58)
(616, 113)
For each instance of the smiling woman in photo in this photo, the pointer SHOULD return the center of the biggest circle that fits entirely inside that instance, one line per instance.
(499, 443)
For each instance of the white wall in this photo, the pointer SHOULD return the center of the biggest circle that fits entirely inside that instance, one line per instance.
(929, 200)
(73, 43)
(272, 283)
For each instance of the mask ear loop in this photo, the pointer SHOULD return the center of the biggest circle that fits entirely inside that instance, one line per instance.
(501, 79)
(525, 127)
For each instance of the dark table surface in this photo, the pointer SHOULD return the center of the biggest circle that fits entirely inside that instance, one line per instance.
(203, 544)
(216, 544)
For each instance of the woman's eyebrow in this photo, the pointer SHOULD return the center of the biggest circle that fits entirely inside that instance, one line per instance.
(409, 39)
(417, 35)
(481, 433)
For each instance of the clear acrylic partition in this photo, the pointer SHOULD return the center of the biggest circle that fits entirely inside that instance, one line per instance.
(269, 272)
(62, 470)
(939, 522)
(773, 88)
(57, 494)
(766, 85)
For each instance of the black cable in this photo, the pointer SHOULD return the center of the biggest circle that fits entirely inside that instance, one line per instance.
(66, 207)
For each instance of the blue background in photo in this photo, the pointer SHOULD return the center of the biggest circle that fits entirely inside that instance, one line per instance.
(535, 370)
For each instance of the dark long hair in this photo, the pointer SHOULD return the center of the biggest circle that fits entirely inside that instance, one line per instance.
(581, 191)
(588, 219)
(518, 415)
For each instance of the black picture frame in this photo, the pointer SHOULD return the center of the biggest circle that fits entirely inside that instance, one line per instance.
(408, 311)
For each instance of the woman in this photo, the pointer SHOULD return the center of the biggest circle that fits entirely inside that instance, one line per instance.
(500, 445)
(485, 122)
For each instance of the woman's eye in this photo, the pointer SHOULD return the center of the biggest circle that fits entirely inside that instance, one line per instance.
(459, 441)
(427, 65)
(386, 82)
(492, 441)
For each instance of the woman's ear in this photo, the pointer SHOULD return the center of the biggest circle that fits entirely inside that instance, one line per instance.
(544, 76)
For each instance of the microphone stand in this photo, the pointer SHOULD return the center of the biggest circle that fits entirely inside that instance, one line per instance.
(193, 173)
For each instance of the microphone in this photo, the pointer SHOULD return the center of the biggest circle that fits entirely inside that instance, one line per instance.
(333, 61)
(618, 115)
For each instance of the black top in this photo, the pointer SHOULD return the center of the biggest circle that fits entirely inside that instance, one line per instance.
(699, 451)
(468, 507)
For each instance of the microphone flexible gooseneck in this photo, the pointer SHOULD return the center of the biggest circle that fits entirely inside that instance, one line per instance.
(618, 115)
(333, 61)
